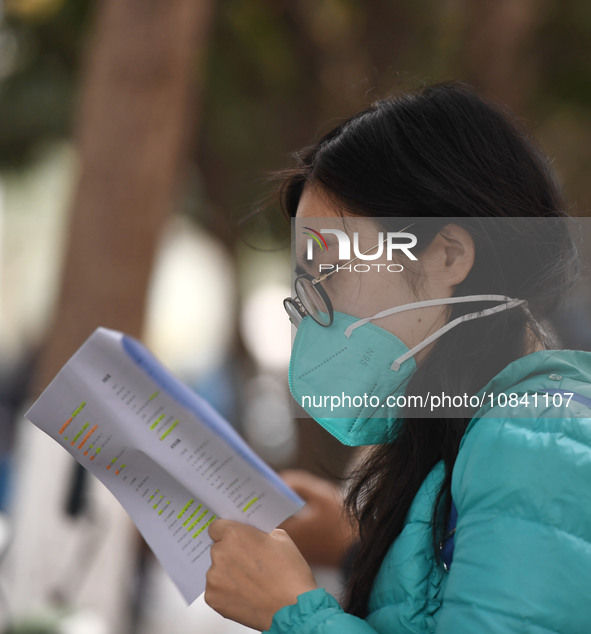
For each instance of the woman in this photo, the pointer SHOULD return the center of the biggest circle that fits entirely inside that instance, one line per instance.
(494, 253)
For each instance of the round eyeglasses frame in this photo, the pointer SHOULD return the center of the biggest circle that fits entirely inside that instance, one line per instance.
(301, 305)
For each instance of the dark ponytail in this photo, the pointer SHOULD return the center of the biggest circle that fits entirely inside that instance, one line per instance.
(437, 154)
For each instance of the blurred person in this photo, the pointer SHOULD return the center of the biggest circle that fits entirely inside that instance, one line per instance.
(478, 520)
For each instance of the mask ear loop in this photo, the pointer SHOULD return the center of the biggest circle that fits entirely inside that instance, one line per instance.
(425, 304)
(507, 304)
(452, 324)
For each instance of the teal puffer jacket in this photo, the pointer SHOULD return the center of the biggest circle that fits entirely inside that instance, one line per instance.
(522, 558)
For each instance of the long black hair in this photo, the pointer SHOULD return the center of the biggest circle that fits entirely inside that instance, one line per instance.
(443, 152)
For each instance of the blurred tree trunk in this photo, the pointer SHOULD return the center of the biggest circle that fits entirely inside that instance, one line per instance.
(134, 119)
(497, 50)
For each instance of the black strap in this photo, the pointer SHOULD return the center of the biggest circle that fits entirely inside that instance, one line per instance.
(446, 548)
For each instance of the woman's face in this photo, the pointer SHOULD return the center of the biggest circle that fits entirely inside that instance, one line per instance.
(365, 293)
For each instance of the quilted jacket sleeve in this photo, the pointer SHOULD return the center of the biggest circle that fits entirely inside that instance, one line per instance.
(522, 555)
(317, 612)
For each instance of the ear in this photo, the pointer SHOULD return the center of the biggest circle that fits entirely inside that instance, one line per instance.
(450, 256)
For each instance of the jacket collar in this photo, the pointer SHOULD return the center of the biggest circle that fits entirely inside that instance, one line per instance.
(545, 369)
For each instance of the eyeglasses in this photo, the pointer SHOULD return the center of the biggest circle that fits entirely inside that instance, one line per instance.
(311, 299)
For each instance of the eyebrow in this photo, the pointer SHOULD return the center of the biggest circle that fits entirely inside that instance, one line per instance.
(300, 270)
(330, 239)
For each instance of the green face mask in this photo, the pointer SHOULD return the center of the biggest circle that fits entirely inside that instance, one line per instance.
(347, 376)
(343, 382)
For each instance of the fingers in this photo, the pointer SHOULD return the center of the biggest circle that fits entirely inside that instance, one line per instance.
(216, 529)
(303, 482)
(299, 478)
(280, 534)
(253, 573)
(228, 529)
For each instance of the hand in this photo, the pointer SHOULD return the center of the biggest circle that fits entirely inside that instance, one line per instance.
(253, 574)
(321, 530)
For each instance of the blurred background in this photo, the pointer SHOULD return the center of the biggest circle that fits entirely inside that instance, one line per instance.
(136, 137)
